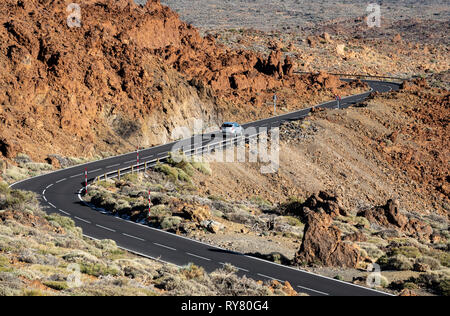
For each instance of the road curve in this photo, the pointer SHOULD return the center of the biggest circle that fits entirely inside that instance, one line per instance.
(59, 192)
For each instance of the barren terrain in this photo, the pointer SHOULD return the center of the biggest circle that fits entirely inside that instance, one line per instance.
(365, 185)
(290, 14)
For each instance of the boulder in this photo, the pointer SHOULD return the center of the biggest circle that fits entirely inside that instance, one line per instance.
(9, 149)
(312, 41)
(196, 213)
(288, 67)
(397, 38)
(322, 244)
(327, 37)
(273, 64)
(389, 216)
(319, 202)
(54, 161)
(212, 226)
(356, 237)
(408, 292)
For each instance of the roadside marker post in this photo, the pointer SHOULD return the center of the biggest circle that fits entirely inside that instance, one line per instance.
(137, 156)
(85, 181)
(338, 99)
(275, 104)
(149, 203)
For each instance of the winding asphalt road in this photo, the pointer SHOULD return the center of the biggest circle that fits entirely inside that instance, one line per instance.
(59, 192)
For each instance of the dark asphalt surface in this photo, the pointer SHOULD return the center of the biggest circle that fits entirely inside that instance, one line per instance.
(59, 192)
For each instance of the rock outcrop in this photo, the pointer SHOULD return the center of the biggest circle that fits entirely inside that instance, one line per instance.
(322, 201)
(322, 244)
(127, 76)
(196, 213)
(389, 216)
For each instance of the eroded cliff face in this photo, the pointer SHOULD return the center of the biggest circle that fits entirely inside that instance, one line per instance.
(77, 91)
(126, 77)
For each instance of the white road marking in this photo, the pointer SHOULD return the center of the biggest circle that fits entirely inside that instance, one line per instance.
(83, 220)
(43, 192)
(111, 230)
(95, 170)
(61, 180)
(51, 205)
(45, 199)
(269, 277)
(200, 257)
(64, 212)
(235, 267)
(116, 165)
(49, 186)
(134, 237)
(144, 158)
(164, 246)
(77, 175)
(305, 288)
(127, 162)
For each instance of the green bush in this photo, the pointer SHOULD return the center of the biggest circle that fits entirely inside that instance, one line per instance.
(169, 171)
(64, 222)
(4, 188)
(32, 293)
(186, 167)
(175, 173)
(130, 177)
(439, 283)
(160, 211)
(433, 263)
(15, 199)
(4, 264)
(171, 222)
(407, 251)
(97, 270)
(106, 184)
(203, 167)
(191, 272)
(443, 257)
(16, 174)
(260, 201)
(183, 176)
(122, 206)
(34, 166)
(397, 263)
(56, 285)
(293, 221)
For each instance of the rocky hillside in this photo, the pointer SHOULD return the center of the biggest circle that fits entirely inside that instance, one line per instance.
(125, 78)
(45, 254)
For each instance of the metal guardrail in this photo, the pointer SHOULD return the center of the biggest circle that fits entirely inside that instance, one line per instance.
(354, 75)
(143, 167)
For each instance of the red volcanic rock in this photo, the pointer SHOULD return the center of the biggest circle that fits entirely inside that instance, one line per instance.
(9, 149)
(322, 244)
(288, 67)
(390, 216)
(125, 72)
(414, 84)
